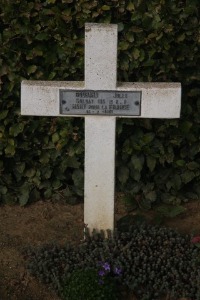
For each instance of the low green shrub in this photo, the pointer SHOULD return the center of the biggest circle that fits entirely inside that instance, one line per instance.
(154, 261)
(87, 284)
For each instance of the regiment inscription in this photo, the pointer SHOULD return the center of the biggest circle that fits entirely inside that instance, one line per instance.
(91, 102)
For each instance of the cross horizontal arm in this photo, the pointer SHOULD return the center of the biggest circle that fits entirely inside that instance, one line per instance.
(159, 100)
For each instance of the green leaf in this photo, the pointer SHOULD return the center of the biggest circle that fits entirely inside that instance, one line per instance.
(31, 69)
(130, 37)
(151, 163)
(30, 173)
(177, 182)
(42, 36)
(105, 7)
(193, 165)
(47, 172)
(120, 27)
(56, 184)
(123, 45)
(3, 190)
(148, 137)
(72, 162)
(185, 126)
(55, 137)
(130, 6)
(137, 162)
(170, 211)
(23, 199)
(10, 150)
(136, 53)
(123, 174)
(16, 129)
(130, 202)
(191, 195)
(181, 37)
(180, 163)
(3, 114)
(34, 195)
(20, 167)
(187, 176)
(44, 158)
(136, 175)
(78, 177)
(48, 193)
(24, 194)
(151, 196)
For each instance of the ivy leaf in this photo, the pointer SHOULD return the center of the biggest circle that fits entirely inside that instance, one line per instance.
(186, 126)
(148, 138)
(42, 36)
(193, 165)
(123, 45)
(120, 27)
(3, 114)
(78, 177)
(130, 6)
(151, 163)
(31, 69)
(44, 158)
(72, 162)
(23, 199)
(24, 194)
(55, 137)
(137, 162)
(34, 195)
(56, 184)
(3, 190)
(136, 53)
(105, 7)
(20, 167)
(170, 211)
(180, 163)
(16, 129)
(10, 150)
(151, 196)
(30, 173)
(123, 174)
(177, 182)
(187, 176)
(48, 193)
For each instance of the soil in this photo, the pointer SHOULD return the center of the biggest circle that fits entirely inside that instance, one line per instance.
(47, 222)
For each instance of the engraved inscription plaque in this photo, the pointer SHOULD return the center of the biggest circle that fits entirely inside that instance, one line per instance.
(90, 102)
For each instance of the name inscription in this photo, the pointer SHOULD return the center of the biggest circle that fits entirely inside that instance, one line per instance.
(89, 102)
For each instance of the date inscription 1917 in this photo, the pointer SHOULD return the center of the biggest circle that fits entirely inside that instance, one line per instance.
(89, 102)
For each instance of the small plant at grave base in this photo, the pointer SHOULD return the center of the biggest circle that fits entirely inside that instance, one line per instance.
(106, 271)
(88, 284)
(156, 262)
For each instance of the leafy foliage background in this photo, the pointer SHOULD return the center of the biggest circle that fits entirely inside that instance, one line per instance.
(159, 40)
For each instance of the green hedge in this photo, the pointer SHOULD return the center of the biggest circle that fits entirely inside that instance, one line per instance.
(159, 40)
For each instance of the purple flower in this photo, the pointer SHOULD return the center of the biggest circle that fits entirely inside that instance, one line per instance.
(106, 266)
(101, 273)
(117, 271)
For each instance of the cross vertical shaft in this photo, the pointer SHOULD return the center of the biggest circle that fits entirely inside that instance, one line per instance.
(100, 74)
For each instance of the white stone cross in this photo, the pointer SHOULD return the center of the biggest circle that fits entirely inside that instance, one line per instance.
(100, 99)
